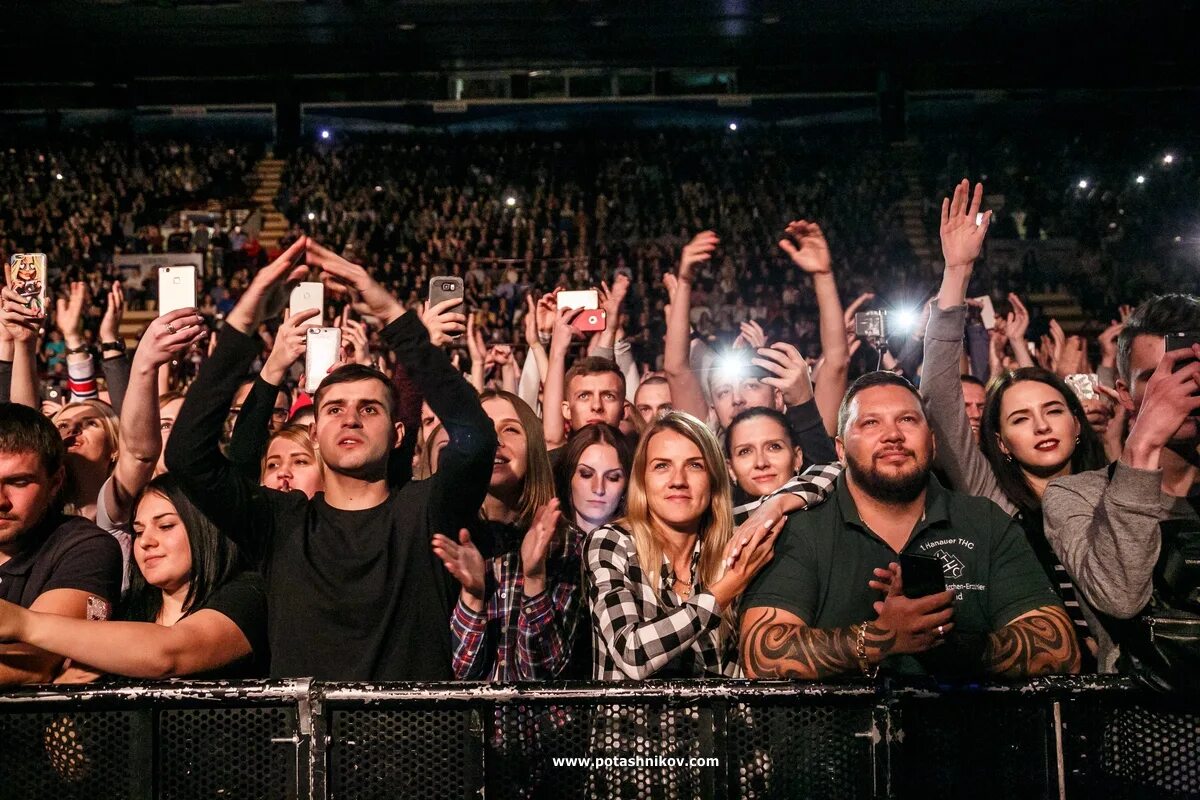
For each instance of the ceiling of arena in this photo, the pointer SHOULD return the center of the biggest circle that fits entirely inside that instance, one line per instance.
(821, 44)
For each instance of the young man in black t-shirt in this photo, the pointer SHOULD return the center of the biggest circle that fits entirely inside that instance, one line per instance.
(48, 561)
(354, 590)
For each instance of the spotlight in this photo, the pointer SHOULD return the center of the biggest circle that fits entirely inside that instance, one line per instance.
(510, 201)
(378, 188)
(733, 126)
(1179, 238)
(1168, 159)
(58, 176)
(311, 216)
(325, 134)
(1140, 179)
(1083, 184)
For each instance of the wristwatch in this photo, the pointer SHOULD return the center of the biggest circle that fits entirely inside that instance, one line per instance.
(117, 346)
(82, 349)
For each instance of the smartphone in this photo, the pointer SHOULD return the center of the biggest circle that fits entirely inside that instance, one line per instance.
(321, 349)
(584, 298)
(445, 287)
(922, 575)
(27, 277)
(306, 295)
(1179, 341)
(871, 325)
(988, 311)
(176, 288)
(1084, 384)
(590, 320)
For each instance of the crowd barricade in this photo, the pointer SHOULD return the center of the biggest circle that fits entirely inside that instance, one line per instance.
(1077, 737)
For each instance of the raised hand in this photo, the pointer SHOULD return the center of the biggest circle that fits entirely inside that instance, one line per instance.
(345, 279)
(789, 370)
(547, 308)
(962, 238)
(1017, 323)
(442, 323)
(752, 336)
(68, 313)
(1108, 343)
(463, 561)
(535, 547)
(564, 331)
(697, 251)
(291, 340)
(852, 309)
(114, 312)
(251, 308)
(530, 322)
(810, 251)
(612, 298)
(356, 344)
(165, 336)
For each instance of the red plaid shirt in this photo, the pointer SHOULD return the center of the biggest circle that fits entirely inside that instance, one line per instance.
(518, 638)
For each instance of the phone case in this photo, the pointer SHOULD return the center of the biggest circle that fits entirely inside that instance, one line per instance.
(27, 277)
(322, 346)
(308, 294)
(445, 287)
(176, 288)
(583, 298)
(922, 575)
(591, 320)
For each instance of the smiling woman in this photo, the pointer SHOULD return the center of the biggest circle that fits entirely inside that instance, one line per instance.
(191, 609)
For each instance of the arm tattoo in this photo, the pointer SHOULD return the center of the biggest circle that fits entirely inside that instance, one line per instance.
(1041, 644)
(773, 649)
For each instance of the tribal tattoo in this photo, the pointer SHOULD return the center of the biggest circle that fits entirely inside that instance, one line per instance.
(774, 649)
(1043, 643)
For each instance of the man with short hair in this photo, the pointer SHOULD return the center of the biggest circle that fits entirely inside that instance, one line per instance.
(595, 392)
(653, 398)
(832, 601)
(355, 592)
(49, 562)
(1107, 525)
(974, 399)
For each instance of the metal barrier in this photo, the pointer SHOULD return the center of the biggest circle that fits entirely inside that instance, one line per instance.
(1054, 738)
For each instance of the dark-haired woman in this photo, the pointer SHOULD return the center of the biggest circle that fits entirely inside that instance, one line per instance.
(516, 612)
(191, 609)
(764, 457)
(1033, 430)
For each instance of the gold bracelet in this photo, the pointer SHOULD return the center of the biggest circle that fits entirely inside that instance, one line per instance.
(860, 650)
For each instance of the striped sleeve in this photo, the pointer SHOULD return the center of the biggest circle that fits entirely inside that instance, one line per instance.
(813, 486)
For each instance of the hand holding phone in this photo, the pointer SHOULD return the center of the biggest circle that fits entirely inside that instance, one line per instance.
(307, 295)
(591, 320)
(27, 278)
(921, 576)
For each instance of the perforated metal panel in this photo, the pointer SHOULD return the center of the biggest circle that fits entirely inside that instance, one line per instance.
(636, 736)
(68, 755)
(976, 746)
(786, 749)
(385, 753)
(1147, 751)
(225, 753)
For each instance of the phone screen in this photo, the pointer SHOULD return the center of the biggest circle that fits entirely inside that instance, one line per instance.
(922, 575)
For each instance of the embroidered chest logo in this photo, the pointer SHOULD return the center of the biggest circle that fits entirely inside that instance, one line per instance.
(952, 565)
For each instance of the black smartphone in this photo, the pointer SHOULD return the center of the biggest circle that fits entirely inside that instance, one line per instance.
(922, 575)
(1180, 341)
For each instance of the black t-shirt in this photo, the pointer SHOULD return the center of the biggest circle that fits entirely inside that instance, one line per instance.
(63, 552)
(243, 599)
(825, 556)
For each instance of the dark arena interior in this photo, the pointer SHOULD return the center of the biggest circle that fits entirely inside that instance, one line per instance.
(582, 398)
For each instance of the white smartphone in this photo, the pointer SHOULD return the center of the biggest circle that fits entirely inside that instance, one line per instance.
(176, 288)
(321, 349)
(988, 312)
(308, 294)
(584, 298)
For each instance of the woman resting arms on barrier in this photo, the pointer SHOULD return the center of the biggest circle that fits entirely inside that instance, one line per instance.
(192, 611)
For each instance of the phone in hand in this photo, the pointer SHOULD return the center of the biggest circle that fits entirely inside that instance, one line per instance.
(307, 295)
(321, 349)
(446, 287)
(176, 288)
(590, 321)
(1084, 384)
(587, 299)
(987, 311)
(27, 277)
(1181, 341)
(922, 575)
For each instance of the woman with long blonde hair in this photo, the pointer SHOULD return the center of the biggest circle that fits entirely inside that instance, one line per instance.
(663, 580)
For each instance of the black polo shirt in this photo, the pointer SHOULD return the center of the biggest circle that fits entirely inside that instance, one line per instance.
(63, 552)
(825, 556)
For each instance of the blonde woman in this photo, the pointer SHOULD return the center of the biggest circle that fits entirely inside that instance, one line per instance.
(664, 579)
